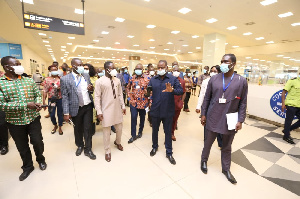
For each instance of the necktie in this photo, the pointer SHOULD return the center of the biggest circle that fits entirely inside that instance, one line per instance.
(79, 91)
(113, 88)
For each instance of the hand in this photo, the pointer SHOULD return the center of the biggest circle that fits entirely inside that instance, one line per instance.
(45, 106)
(124, 111)
(203, 120)
(66, 118)
(38, 106)
(90, 87)
(100, 117)
(238, 126)
(197, 110)
(169, 88)
(283, 107)
(31, 105)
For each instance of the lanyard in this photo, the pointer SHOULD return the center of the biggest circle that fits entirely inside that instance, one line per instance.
(75, 81)
(225, 88)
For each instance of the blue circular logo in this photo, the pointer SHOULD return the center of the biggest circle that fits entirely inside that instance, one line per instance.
(276, 104)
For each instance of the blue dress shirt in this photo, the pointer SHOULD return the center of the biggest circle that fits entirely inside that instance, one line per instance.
(163, 104)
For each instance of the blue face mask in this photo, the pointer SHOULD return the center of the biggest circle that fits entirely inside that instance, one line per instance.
(125, 71)
(224, 68)
(86, 71)
(100, 74)
(204, 71)
(54, 73)
(183, 73)
(138, 72)
(80, 69)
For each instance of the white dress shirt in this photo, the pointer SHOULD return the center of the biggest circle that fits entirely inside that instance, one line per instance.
(202, 93)
(83, 86)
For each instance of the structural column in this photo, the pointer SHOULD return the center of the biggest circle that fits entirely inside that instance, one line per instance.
(133, 61)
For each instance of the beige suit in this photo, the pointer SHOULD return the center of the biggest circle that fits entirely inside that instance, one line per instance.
(110, 106)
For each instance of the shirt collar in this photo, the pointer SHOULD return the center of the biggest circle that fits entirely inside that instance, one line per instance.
(19, 77)
(75, 75)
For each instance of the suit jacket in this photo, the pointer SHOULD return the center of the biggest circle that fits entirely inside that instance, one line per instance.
(69, 93)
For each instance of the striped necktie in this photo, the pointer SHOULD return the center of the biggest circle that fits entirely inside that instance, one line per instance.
(113, 88)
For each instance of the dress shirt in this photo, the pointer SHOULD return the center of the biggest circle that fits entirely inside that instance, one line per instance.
(137, 88)
(83, 87)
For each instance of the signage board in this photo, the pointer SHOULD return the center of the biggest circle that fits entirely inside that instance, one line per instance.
(7, 49)
(276, 104)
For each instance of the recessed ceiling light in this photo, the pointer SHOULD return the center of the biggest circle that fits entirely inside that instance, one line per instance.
(270, 42)
(96, 40)
(50, 51)
(259, 38)
(117, 43)
(262, 60)
(166, 49)
(136, 45)
(184, 10)
(151, 26)
(104, 33)
(147, 0)
(49, 48)
(296, 24)
(235, 46)
(69, 43)
(286, 57)
(198, 48)
(170, 43)
(255, 59)
(247, 33)
(45, 41)
(28, 1)
(118, 19)
(185, 45)
(130, 36)
(67, 52)
(175, 32)
(226, 43)
(42, 34)
(151, 39)
(280, 55)
(292, 59)
(285, 14)
(48, 45)
(152, 47)
(79, 11)
(212, 20)
(248, 57)
(63, 46)
(63, 50)
(231, 28)
(71, 37)
(267, 2)
(195, 36)
(190, 52)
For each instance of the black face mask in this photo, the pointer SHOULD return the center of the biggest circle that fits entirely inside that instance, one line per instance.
(64, 69)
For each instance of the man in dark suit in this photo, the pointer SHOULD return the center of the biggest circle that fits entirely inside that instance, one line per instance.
(78, 105)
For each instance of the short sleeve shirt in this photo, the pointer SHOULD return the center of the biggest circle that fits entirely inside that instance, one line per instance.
(293, 89)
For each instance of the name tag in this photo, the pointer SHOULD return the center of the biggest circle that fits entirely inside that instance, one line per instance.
(222, 100)
(137, 87)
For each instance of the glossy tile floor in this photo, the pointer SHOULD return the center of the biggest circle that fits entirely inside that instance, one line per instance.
(264, 166)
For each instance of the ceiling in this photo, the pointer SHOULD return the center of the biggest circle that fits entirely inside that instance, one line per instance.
(100, 14)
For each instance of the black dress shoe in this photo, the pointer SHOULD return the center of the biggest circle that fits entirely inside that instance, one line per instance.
(139, 135)
(153, 152)
(289, 140)
(4, 150)
(25, 174)
(132, 139)
(43, 166)
(229, 176)
(79, 151)
(171, 159)
(90, 154)
(204, 167)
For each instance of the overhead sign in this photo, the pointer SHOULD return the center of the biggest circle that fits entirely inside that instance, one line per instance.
(14, 50)
(40, 22)
(276, 104)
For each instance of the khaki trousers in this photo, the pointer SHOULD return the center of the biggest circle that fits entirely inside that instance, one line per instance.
(106, 136)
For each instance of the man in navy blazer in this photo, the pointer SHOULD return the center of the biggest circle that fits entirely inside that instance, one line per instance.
(78, 106)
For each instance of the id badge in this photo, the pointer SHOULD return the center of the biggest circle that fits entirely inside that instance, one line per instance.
(137, 87)
(222, 100)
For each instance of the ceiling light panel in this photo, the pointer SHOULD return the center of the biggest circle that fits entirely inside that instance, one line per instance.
(212, 20)
(69, 44)
(259, 38)
(28, 1)
(71, 37)
(151, 26)
(247, 33)
(267, 2)
(184, 10)
(232, 28)
(151, 39)
(285, 14)
(296, 24)
(119, 19)
(270, 42)
(195, 36)
(79, 11)
(104, 33)
(130, 36)
(175, 32)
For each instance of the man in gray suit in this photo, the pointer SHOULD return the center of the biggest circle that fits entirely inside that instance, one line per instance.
(78, 105)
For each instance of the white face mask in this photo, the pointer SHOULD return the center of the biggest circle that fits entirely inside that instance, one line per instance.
(19, 70)
(113, 72)
(161, 72)
(212, 74)
(152, 73)
(86, 71)
(176, 74)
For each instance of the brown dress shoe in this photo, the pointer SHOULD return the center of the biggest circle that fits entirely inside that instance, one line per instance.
(108, 157)
(173, 138)
(119, 146)
(47, 116)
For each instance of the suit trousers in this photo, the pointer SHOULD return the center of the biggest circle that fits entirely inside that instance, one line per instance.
(82, 130)
(291, 112)
(3, 135)
(106, 136)
(219, 138)
(20, 134)
(225, 151)
(186, 100)
(134, 114)
(175, 119)
(167, 124)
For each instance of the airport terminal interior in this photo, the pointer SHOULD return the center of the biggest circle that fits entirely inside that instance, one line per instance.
(264, 35)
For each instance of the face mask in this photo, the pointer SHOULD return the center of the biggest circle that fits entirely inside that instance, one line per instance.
(161, 72)
(86, 71)
(212, 74)
(184, 73)
(100, 74)
(170, 73)
(113, 72)
(138, 72)
(54, 73)
(152, 73)
(125, 71)
(189, 74)
(64, 69)
(80, 69)
(225, 68)
(176, 74)
(19, 70)
(204, 71)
